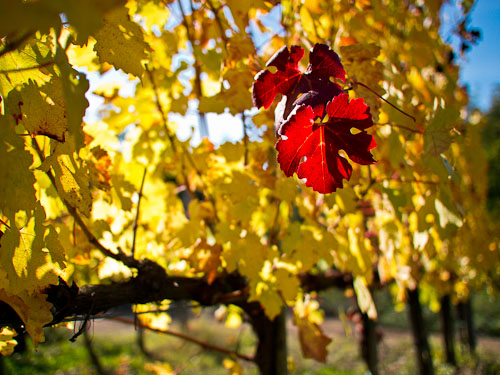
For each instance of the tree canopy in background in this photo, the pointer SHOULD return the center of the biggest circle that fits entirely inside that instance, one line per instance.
(95, 214)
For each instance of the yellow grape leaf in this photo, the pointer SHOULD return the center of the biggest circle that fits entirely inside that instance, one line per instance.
(14, 64)
(359, 51)
(74, 87)
(313, 341)
(33, 309)
(269, 299)
(99, 168)
(16, 179)
(154, 14)
(236, 97)
(208, 259)
(239, 10)
(308, 23)
(21, 17)
(72, 181)
(314, 6)
(41, 110)
(287, 283)
(84, 56)
(437, 137)
(86, 16)
(30, 253)
(7, 343)
(365, 300)
(120, 42)
(16, 17)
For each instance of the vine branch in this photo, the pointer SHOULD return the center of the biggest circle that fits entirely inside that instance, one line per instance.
(402, 127)
(385, 100)
(184, 337)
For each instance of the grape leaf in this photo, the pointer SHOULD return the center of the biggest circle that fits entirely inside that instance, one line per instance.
(313, 341)
(15, 63)
(312, 87)
(72, 180)
(120, 42)
(320, 142)
(16, 179)
(437, 137)
(364, 297)
(41, 110)
(33, 309)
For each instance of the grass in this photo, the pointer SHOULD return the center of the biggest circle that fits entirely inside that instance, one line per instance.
(116, 346)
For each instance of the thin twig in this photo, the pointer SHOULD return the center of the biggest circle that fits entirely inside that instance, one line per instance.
(402, 127)
(136, 220)
(4, 223)
(189, 339)
(414, 180)
(160, 109)
(385, 100)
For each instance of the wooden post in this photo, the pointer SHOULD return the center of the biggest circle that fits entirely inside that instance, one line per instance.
(416, 318)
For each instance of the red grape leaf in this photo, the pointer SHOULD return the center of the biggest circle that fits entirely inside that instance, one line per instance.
(319, 143)
(311, 87)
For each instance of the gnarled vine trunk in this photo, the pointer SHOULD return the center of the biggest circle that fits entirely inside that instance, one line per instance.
(369, 344)
(448, 329)
(416, 318)
(271, 353)
(466, 325)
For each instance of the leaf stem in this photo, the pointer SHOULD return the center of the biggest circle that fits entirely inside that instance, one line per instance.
(193, 340)
(385, 100)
